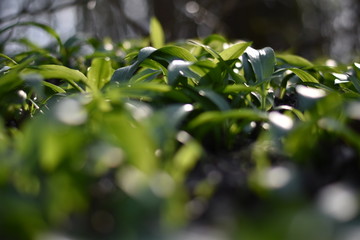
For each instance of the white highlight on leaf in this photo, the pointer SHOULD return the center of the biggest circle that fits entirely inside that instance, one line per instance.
(71, 112)
(139, 111)
(162, 185)
(331, 63)
(276, 177)
(310, 92)
(132, 181)
(340, 78)
(108, 155)
(188, 107)
(353, 110)
(183, 137)
(108, 46)
(339, 202)
(22, 95)
(281, 120)
(238, 64)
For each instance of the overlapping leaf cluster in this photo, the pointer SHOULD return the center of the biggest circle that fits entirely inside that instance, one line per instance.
(127, 140)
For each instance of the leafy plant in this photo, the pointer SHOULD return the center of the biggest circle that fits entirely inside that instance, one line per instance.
(137, 142)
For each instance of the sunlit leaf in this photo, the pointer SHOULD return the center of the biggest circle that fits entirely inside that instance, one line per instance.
(262, 63)
(99, 73)
(11, 79)
(53, 87)
(234, 51)
(294, 60)
(8, 58)
(215, 117)
(215, 98)
(177, 52)
(304, 76)
(156, 33)
(185, 159)
(60, 72)
(124, 74)
(179, 68)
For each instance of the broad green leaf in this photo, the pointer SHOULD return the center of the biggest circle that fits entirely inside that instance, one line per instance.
(208, 49)
(262, 63)
(179, 68)
(355, 81)
(294, 60)
(185, 159)
(145, 53)
(59, 72)
(293, 110)
(177, 113)
(157, 36)
(216, 117)
(209, 72)
(11, 79)
(124, 74)
(145, 75)
(215, 98)
(134, 139)
(141, 90)
(235, 88)
(304, 76)
(178, 53)
(235, 51)
(99, 73)
(219, 60)
(214, 38)
(53, 87)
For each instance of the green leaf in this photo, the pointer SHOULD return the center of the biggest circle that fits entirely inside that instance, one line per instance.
(180, 68)
(209, 72)
(355, 81)
(216, 117)
(157, 36)
(235, 51)
(59, 72)
(304, 76)
(99, 73)
(215, 98)
(185, 159)
(235, 88)
(262, 63)
(220, 61)
(11, 79)
(208, 49)
(146, 75)
(53, 87)
(8, 58)
(178, 53)
(294, 60)
(124, 74)
(214, 38)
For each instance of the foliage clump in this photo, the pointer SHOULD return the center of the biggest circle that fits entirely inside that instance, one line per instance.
(139, 142)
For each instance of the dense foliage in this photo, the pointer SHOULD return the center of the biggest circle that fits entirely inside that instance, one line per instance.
(103, 140)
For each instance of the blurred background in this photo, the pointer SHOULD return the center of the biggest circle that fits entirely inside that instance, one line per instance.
(310, 28)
